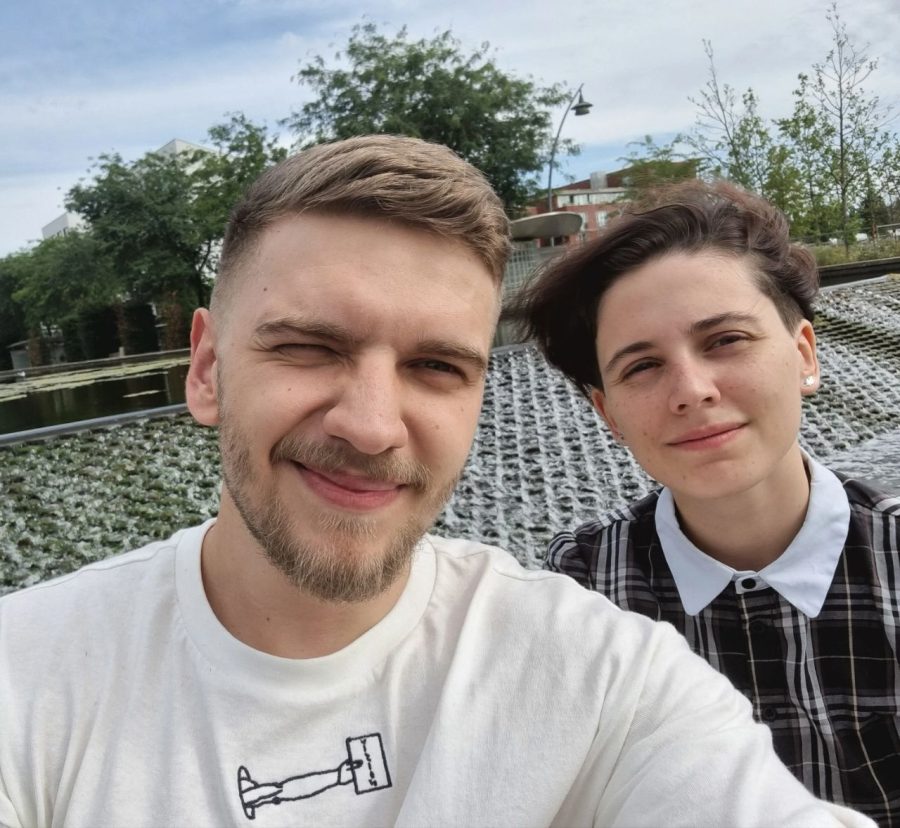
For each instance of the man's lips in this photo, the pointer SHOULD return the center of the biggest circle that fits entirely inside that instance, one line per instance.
(350, 491)
(356, 482)
(707, 436)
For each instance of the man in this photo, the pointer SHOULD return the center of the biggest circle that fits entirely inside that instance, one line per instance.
(311, 657)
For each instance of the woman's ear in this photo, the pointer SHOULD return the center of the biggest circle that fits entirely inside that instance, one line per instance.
(809, 360)
(598, 398)
(201, 388)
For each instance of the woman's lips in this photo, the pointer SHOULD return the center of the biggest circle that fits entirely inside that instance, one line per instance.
(707, 437)
(350, 491)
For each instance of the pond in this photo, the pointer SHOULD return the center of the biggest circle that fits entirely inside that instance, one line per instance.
(83, 395)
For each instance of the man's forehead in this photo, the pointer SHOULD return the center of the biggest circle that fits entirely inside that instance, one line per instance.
(353, 271)
(376, 230)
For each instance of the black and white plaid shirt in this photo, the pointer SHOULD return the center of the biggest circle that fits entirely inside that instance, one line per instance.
(828, 686)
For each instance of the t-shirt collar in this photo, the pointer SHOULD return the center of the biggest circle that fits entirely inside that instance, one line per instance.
(802, 574)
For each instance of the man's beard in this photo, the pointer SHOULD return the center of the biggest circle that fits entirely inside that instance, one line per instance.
(332, 567)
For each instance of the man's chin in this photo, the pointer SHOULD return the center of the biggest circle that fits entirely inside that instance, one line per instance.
(346, 563)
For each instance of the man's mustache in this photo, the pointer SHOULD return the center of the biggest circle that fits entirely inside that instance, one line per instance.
(341, 457)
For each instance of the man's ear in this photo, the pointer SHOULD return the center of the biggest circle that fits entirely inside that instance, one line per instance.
(201, 387)
(809, 360)
(598, 398)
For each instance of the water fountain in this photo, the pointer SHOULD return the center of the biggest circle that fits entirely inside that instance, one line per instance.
(541, 460)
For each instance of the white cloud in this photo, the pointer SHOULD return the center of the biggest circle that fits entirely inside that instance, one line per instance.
(30, 202)
(638, 63)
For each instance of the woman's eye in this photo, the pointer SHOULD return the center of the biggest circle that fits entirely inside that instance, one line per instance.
(727, 339)
(440, 367)
(637, 368)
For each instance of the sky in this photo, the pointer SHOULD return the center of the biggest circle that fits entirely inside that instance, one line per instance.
(81, 79)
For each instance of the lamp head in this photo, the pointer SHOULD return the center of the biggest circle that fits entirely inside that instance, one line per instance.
(582, 107)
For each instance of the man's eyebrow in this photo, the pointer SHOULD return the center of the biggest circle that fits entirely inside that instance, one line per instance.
(699, 326)
(297, 326)
(455, 351)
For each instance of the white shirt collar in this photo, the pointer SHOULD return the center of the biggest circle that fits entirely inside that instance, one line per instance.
(802, 574)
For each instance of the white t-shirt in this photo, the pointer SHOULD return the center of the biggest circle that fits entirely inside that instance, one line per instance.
(489, 696)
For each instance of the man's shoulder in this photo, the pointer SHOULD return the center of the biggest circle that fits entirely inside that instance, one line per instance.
(98, 593)
(521, 599)
(481, 561)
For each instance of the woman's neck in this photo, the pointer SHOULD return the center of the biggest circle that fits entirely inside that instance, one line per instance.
(750, 530)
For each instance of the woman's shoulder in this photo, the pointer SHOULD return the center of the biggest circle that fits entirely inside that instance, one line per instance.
(577, 551)
(865, 495)
(639, 511)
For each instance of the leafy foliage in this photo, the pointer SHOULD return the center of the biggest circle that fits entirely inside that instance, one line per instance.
(154, 231)
(851, 121)
(12, 314)
(829, 165)
(160, 219)
(142, 216)
(433, 89)
(61, 277)
(651, 165)
(731, 141)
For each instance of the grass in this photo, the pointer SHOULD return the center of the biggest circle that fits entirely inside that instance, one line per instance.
(828, 254)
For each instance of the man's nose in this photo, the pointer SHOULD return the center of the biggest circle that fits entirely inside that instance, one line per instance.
(693, 383)
(368, 411)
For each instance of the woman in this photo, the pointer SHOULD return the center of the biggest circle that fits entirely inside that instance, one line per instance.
(688, 325)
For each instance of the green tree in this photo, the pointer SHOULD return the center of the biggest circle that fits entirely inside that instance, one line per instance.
(784, 188)
(241, 151)
(653, 165)
(891, 179)
(160, 219)
(807, 138)
(12, 315)
(433, 89)
(140, 214)
(62, 277)
(850, 122)
(732, 140)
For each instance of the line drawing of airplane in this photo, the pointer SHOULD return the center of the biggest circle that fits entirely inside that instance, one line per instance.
(365, 766)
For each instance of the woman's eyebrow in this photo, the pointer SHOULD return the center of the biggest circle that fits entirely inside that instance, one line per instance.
(723, 319)
(700, 326)
(628, 350)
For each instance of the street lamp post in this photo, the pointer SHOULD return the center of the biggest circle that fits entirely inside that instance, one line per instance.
(580, 108)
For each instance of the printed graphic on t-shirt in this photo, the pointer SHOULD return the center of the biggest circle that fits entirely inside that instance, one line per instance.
(365, 766)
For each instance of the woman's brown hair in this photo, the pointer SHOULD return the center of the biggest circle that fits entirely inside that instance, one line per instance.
(558, 308)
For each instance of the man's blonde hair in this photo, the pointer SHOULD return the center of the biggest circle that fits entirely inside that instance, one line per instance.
(419, 184)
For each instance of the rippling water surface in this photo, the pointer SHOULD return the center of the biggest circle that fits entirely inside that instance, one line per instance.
(877, 459)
